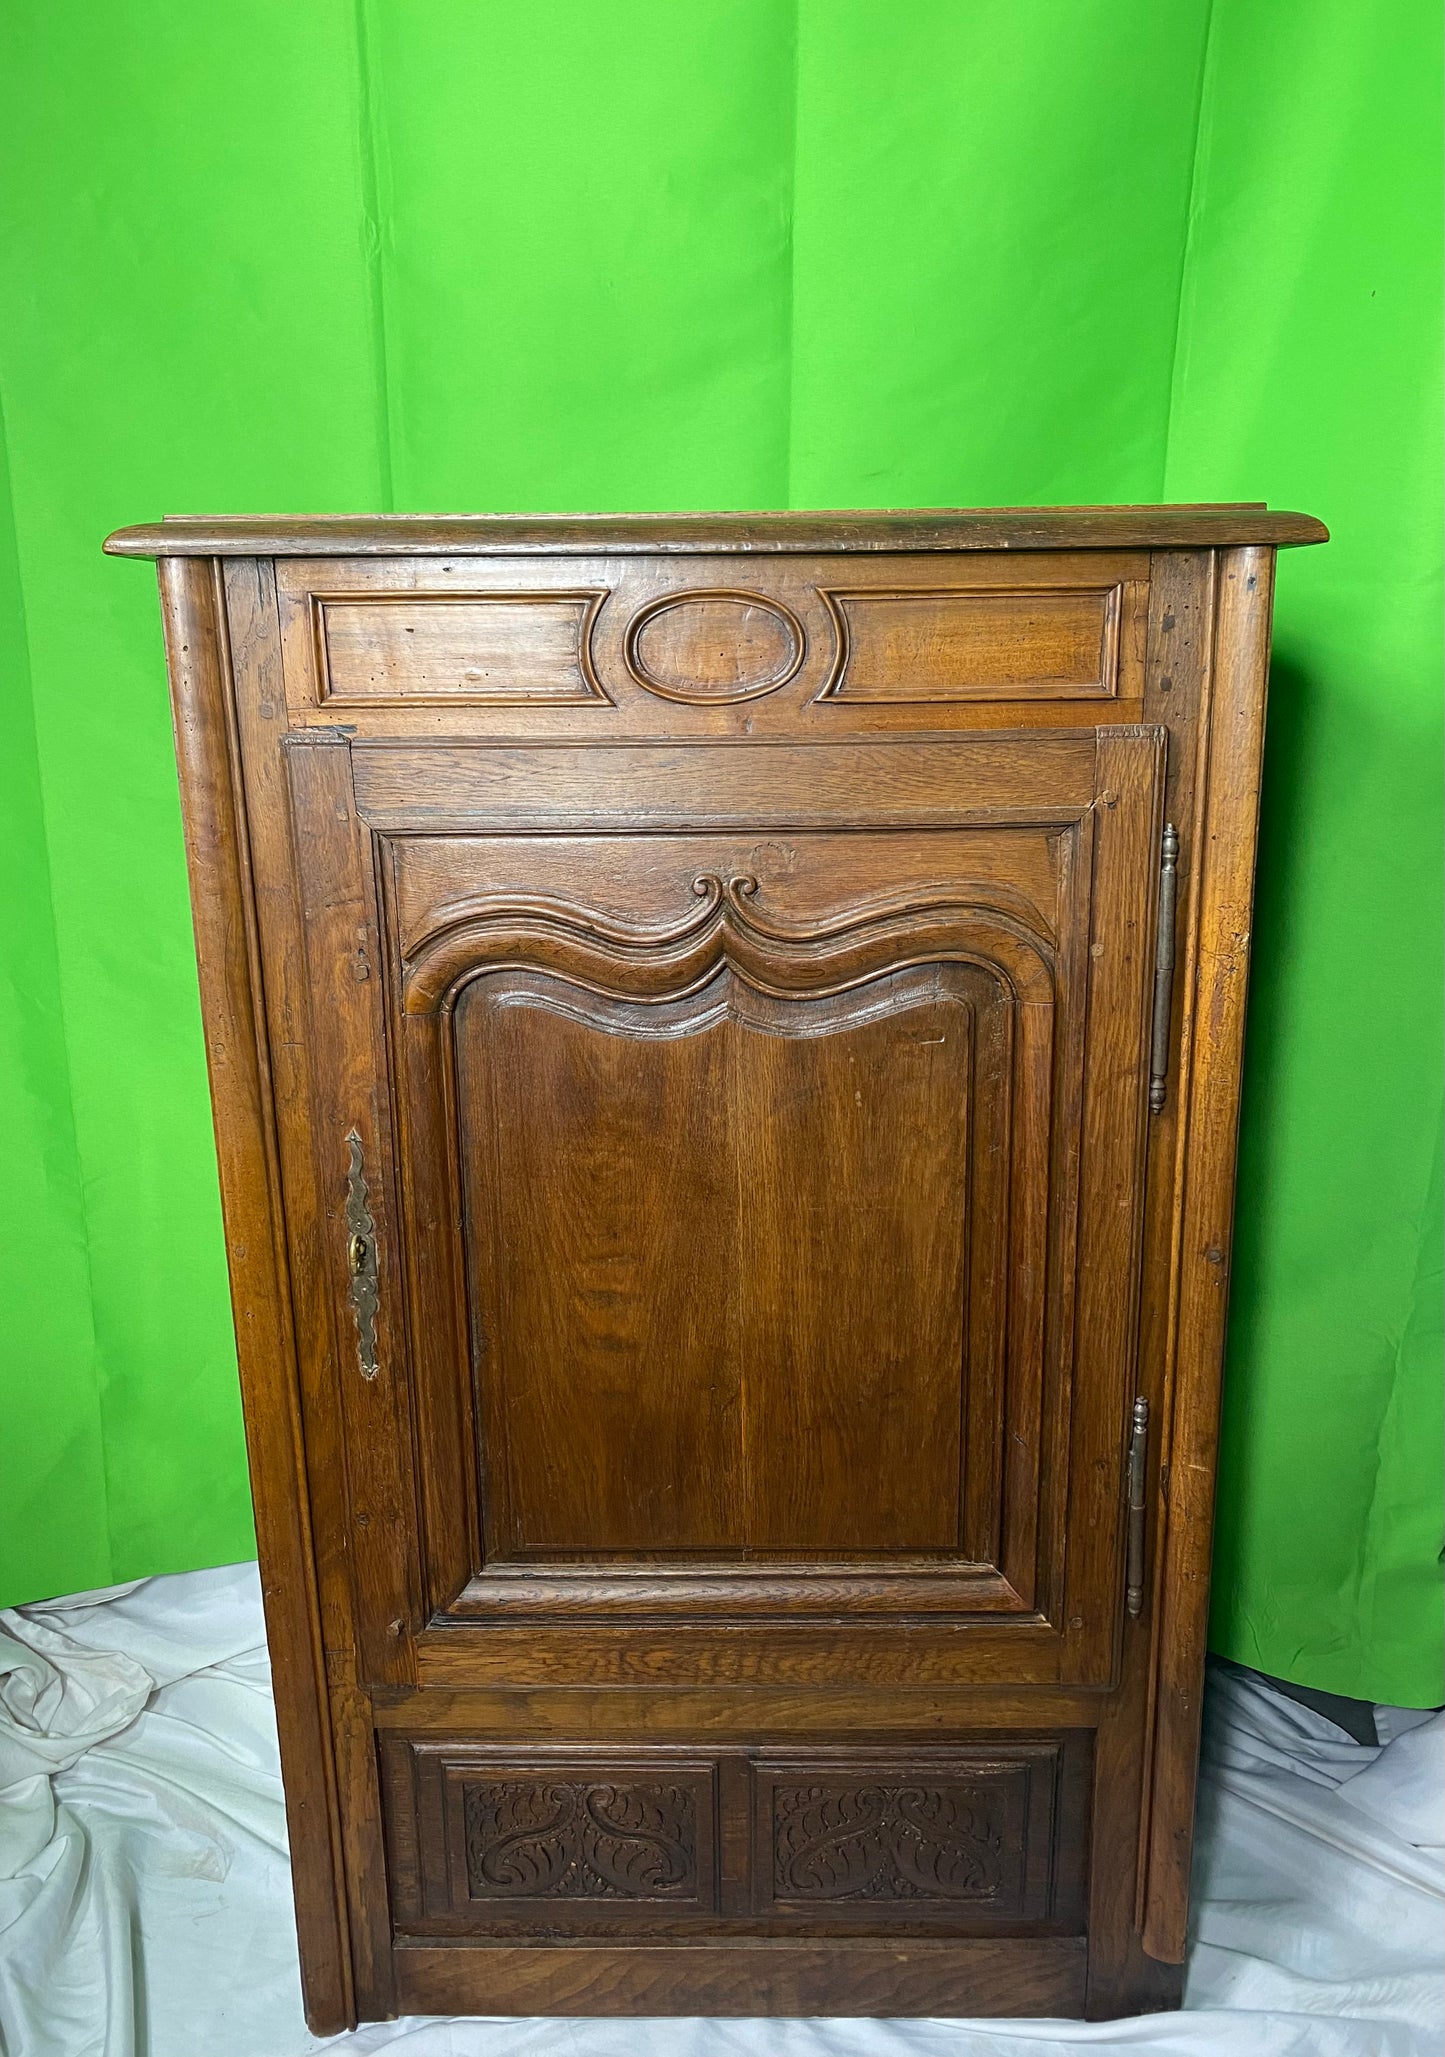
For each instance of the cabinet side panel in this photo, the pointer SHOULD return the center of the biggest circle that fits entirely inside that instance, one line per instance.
(218, 862)
(1225, 857)
(1122, 1978)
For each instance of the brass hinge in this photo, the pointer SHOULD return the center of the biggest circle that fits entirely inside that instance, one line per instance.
(1164, 968)
(1138, 1474)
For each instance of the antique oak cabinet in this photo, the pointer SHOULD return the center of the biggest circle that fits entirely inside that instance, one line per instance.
(725, 1037)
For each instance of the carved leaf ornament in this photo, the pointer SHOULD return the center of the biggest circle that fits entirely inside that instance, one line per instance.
(876, 1842)
(563, 1839)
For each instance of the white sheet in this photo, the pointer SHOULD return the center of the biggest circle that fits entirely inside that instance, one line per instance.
(145, 1905)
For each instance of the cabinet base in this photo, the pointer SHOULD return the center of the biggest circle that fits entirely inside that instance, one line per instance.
(844, 1977)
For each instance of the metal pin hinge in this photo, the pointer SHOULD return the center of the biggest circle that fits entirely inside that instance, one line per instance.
(1164, 968)
(1138, 1474)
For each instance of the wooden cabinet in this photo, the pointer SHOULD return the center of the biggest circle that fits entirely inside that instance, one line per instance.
(725, 1038)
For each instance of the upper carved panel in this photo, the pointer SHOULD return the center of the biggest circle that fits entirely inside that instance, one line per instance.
(602, 647)
(714, 646)
(516, 648)
(916, 645)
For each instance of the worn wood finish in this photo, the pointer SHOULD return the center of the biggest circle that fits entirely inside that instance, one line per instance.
(851, 1975)
(678, 1002)
(964, 644)
(507, 647)
(1225, 896)
(241, 1080)
(1213, 525)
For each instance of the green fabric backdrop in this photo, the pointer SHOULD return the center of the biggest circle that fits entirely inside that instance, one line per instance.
(749, 253)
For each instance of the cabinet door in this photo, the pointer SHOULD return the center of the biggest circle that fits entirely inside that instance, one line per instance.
(756, 1182)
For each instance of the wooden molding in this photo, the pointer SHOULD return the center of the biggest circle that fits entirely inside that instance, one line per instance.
(991, 528)
(237, 1057)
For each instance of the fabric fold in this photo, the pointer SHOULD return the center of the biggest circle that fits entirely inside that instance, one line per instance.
(145, 1905)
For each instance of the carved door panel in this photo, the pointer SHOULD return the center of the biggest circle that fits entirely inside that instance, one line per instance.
(719, 1261)
(766, 1201)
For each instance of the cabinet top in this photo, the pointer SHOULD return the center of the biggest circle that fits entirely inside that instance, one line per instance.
(1203, 526)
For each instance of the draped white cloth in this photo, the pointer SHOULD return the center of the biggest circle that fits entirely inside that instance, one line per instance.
(145, 1907)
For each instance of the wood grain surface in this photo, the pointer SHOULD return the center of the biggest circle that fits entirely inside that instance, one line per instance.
(985, 528)
(677, 996)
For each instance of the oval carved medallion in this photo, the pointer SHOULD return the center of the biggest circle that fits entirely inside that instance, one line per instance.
(714, 646)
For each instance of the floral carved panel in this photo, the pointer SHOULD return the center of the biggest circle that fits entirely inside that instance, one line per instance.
(960, 1836)
(581, 1839)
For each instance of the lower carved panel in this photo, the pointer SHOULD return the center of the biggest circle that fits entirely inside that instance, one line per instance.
(571, 1839)
(850, 1842)
(510, 1840)
(968, 1833)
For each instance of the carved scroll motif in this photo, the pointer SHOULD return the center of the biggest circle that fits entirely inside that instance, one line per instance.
(562, 1839)
(726, 926)
(877, 1842)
